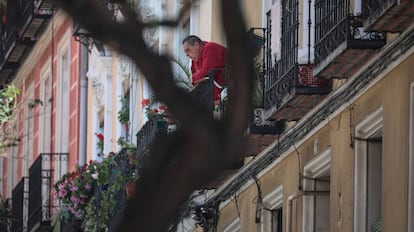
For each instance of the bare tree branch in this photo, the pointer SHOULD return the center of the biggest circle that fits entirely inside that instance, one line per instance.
(181, 162)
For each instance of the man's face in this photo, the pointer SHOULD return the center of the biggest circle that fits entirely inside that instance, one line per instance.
(192, 51)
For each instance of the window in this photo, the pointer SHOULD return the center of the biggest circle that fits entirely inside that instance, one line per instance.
(62, 121)
(368, 172)
(272, 214)
(316, 207)
(62, 104)
(45, 118)
(277, 220)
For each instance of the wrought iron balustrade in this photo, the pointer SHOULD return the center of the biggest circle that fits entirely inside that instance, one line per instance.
(280, 76)
(280, 85)
(330, 26)
(375, 7)
(203, 92)
(17, 221)
(47, 168)
(155, 126)
(335, 25)
(5, 215)
(122, 165)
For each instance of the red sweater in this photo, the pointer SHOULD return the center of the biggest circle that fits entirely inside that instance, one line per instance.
(212, 55)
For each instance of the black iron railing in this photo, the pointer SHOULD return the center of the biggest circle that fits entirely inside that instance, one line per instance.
(281, 78)
(155, 126)
(122, 169)
(44, 170)
(9, 33)
(17, 223)
(375, 7)
(330, 26)
(203, 92)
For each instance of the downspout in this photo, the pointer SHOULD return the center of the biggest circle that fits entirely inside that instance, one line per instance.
(83, 104)
(309, 30)
(294, 196)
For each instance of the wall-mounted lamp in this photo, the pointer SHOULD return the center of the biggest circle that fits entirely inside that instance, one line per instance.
(35, 102)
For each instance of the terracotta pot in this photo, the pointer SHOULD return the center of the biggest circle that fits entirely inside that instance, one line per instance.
(130, 189)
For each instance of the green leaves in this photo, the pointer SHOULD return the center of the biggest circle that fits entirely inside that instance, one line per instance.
(8, 97)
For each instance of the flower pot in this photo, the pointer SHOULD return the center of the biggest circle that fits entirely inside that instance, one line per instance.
(130, 189)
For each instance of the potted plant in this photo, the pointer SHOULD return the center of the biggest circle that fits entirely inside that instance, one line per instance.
(123, 113)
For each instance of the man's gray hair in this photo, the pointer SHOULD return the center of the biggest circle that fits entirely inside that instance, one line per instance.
(192, 39)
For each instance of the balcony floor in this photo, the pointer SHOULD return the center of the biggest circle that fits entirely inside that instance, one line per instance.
(297, 107)
(347, 63)
(396, 19)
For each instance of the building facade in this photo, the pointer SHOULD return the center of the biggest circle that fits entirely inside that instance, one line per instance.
(41, 58)
(337, 76)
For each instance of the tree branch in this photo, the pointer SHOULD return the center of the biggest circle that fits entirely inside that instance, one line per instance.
(203, 148)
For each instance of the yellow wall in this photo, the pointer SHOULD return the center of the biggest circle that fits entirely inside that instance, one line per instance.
(392, 94)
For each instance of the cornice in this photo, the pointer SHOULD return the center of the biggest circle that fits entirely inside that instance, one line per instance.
(40, 46)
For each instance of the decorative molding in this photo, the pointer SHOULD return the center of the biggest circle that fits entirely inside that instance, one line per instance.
(151, 33)
(124, 67)
(98, 91)
(271, 201)
(318, 165)
(234, 226)
(274, 199)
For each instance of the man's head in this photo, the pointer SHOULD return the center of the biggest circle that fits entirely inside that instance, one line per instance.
(192, 46)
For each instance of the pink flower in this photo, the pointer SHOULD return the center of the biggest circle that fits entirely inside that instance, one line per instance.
(74, 188)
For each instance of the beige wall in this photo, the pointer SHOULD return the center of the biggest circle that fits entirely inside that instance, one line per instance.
(391, 93)
(210, 27)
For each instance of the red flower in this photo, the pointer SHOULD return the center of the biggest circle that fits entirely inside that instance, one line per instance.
(155, 111)
(162, 108)
(145, 102)
(100, 136)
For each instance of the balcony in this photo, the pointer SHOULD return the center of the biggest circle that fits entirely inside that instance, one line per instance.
(342, 46)
(17, 207)
(24, 23)
(154, 127)
(286, 85)
(44, 171)
(388, 15)
(120, 165)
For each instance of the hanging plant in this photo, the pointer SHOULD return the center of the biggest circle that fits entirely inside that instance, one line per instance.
(8, 96)
(123, 113)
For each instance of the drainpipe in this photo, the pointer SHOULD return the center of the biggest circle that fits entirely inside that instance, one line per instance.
(83, 104)
(294, 196)
(309, 30)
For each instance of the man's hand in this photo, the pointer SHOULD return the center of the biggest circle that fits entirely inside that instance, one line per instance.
(195, 83)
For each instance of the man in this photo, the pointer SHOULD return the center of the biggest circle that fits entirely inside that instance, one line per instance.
(206, 56)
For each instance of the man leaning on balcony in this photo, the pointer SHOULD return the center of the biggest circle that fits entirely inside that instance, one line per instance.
(206, 56)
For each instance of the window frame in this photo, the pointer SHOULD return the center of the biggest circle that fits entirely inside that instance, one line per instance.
(272, 201)
(370, 125)
(315, 168)
(410, 213)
